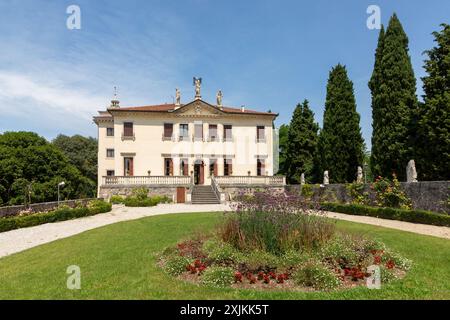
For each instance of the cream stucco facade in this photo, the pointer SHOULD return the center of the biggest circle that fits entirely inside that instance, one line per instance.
(193, 139)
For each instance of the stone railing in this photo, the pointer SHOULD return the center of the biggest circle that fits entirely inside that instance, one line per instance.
(146, 180)
(251, 180)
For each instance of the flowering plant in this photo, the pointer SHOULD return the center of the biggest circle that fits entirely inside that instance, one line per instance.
(389, 193)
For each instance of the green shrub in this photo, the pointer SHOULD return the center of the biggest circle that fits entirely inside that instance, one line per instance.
(357, 194)
(220, 252)
(389, 193)
(61, 214)
(340, 250)
(314, 274)
(218, 276)
(415, 216)
(116, 199)
(386, 275)
(399, 261)
(260, 260)
(307, 190)
(137, 202)
(292, 258)
(140, 193)
(176, 264)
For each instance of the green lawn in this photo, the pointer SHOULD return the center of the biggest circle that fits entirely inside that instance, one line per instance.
(117, 262)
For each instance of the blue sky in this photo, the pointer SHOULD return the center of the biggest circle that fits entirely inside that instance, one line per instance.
(261, 54)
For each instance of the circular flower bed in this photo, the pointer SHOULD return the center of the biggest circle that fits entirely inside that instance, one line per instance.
(281, 241)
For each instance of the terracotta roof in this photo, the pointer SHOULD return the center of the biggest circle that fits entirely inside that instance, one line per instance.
(170, 107)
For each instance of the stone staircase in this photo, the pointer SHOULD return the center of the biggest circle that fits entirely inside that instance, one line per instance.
(204, 195)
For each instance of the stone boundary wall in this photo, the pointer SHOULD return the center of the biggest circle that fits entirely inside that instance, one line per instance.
(424, 195)
(232, 191)
(40, 207)
(162, 190)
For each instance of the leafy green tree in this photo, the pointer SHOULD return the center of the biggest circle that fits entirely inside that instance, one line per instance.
(433, 147)
(394, 102)
(301, 144)
(340, 144)
(82, 153)
(283, 138)
(29, 163)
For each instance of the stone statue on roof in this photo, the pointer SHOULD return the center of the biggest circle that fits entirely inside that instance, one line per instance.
(219, 98)
(197, 84)
(177, 97)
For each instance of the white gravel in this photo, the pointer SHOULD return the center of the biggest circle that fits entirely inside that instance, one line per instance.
(21, 239)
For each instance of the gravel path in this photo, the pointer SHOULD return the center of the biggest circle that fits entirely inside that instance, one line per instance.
(21, 239)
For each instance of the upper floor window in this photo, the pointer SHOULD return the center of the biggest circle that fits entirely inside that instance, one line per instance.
(184, 131)
(184, 167)
(227, 133)
(110, 132)
(128, 129)
(212, 131)
(168, 131)
(227, 167)
(198, 134)
(260, 167)
(260, 134)
(110, 153)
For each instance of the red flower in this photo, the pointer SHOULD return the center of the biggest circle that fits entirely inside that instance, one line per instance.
(238, 277)
(192, 269)
(266, 279)
(197, 263)
(280, 278)
(252, 280)
(286, 276)
(377, 259)
(249, 275)
(390, 264)
(272, 275)
(201, 268)
(261, 275)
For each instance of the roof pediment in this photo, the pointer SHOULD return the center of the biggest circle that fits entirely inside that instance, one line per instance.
(198, 108)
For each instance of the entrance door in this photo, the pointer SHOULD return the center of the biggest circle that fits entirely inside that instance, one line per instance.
(199, 172)
(128, 166)
(180, 195)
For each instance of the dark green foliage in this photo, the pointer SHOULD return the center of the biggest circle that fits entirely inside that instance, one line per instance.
(81, 152)
(394, 103)
(433, 150)
(283, 139)
(61, 214)
(340, 144)
(301, 144)
(29, 162)
(415, 216)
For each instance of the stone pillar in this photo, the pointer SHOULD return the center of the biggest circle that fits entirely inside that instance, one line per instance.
(411, 173)
(302, 178)
(326, 179)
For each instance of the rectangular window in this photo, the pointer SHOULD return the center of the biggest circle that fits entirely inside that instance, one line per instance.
(110, 132)
(260, 167)
(184, 131)
(199, 131)
(168, 167)
(168, 131)
(227, 167)
(212, 132)
(110, 173)
(213, 167)
(260, 134)
(184, 167)
(128, 129)
(110, 153)
(227, 132)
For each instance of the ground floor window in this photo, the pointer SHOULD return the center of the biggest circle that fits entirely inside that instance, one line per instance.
(213, 167)
(184, 168)
(168, 167)
(260, 167)
(110, 173)
(227, 167)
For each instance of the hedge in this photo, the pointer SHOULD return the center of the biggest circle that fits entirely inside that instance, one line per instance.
(146, 202)
(61, 214)
(414, 216)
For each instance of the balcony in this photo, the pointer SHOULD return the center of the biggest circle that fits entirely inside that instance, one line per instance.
(224, 181)
(146, 181)
(128, 136)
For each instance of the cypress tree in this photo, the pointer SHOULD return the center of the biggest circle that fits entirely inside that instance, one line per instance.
(433, 150)
(301, 144)
(282, 148)
(340, 144)
(394, 102)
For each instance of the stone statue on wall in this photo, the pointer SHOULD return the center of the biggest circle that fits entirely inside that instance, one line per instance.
(359, 175)
(219, 98)
(326, 179)
(177, 97)
(197, 84)
(302, 178)
(411, 173)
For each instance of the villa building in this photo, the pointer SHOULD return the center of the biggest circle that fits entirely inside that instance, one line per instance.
(171, 148)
